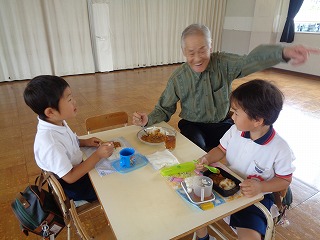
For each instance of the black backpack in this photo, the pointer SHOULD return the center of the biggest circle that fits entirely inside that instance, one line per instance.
(38, 211)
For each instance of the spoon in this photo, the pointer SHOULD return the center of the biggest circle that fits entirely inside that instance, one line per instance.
(144, 129)
(211, 169)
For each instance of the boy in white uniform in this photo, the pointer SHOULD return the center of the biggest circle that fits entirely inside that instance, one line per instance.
(254, 151)
(56, 147)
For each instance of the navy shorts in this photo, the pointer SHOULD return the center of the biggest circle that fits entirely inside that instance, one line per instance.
(79, 190)
(252, 217)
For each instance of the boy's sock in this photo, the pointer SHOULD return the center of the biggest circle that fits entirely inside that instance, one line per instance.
(207, 238)
(204, 238)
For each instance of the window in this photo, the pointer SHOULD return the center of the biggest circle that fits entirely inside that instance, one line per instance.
(308, 17)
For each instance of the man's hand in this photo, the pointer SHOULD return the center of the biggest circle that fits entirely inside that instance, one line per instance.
(139, 119)
(298, 54)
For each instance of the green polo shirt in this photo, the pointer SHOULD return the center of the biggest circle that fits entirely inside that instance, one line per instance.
(204, 97)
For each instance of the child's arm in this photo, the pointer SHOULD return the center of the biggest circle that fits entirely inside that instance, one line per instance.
(104, 151)
(90, 142)
(214, 155)
(251, 187)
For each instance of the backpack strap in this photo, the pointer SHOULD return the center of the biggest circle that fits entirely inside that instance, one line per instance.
(42, 179)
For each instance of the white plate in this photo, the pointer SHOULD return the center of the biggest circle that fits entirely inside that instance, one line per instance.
(142, 132)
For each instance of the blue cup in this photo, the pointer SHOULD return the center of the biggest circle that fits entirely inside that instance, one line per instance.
(127, 157)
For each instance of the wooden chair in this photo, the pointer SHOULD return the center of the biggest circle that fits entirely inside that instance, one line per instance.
(225, 232)
(222, 229)
(106, 121)
(82, 232)
(61, 199)
(64, 201)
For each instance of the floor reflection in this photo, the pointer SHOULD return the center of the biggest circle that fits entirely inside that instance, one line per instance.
(302, 132)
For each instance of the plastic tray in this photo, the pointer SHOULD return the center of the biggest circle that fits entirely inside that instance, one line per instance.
(140, 161)
(221, 191)
(192, 198)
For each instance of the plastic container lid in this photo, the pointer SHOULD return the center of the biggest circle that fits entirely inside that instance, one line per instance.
(179, 168)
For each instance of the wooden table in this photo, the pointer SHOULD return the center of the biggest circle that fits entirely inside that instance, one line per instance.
(142, 205)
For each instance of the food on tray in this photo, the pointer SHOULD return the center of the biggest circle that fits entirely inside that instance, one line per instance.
(216, 178)
(116, 144)
(153, 137)
(222, 182)
(206, 206)
(227, 184)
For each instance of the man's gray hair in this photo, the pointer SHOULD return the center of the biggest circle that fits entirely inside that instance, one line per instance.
(196, 29)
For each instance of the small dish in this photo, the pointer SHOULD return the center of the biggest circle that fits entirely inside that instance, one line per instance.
(221, 191)
(150, 130)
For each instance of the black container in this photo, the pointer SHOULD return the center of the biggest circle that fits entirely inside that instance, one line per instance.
(224, 193)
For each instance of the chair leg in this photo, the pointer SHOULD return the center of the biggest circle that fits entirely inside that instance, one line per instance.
(68, 232)
(270, 225)
(194, 236)
(220, 234)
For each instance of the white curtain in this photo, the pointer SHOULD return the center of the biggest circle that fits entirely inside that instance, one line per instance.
(147, 32)
(68, 37)
(44, 37)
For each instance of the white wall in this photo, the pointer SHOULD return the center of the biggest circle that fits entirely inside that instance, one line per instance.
(249, 23)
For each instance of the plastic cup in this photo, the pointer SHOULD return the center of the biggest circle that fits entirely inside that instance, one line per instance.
(127, 157)
(202, 187)
(170, 140)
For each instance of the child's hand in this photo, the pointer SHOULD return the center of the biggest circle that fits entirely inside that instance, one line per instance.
(200, 162)
(105, 150)
(250, 187)
(91, 142)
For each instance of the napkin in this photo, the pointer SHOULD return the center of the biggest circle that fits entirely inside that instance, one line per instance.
(162, 159)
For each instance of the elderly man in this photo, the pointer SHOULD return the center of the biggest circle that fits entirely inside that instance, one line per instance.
(203, 85)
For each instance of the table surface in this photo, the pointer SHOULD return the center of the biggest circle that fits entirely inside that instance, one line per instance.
(142, 205)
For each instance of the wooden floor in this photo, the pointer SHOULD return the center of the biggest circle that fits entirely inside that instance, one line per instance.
(139, 90)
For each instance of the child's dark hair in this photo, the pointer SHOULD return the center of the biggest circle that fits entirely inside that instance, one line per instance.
(44, 91)
(259, 99)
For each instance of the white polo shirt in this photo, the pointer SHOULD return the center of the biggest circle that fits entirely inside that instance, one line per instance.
(262, 159)
(56, 148)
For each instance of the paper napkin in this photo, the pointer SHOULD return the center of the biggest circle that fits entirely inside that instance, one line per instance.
(162, 159)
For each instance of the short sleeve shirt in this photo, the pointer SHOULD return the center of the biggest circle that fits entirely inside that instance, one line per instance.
(56, 148)
(261, 159)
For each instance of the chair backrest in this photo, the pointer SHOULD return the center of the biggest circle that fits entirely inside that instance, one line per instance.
(59, 195)
(105, 121)
(77, 222)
